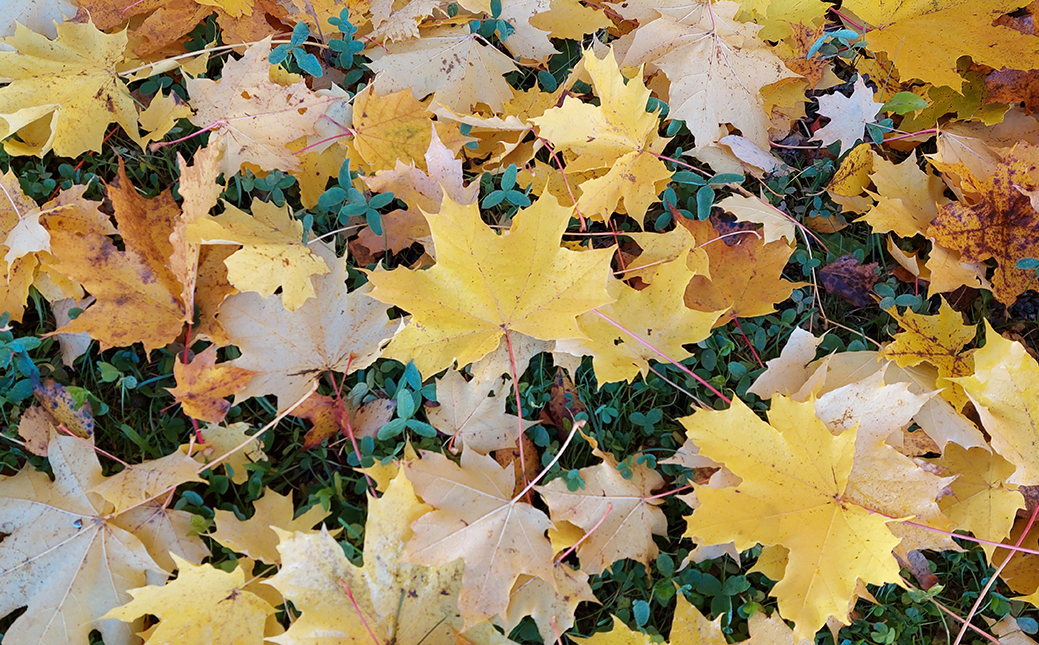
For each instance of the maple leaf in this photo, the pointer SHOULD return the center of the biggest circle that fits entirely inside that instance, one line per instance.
(618, 134)
(917, 36)
(468, 413)
(848, 116)
(334, 331)
(65, 556)
(422, 192)
(746, 274)
(452, 64)
(907, 197)
(552, 606)
(257, 118)
(478, 519)
(795, 476)
(620, 509)
(716, 66)
(137, 483)
(202, 386)
(656, 316)
(775, 223)
(272, 254)
(218, 441)
(26, 262)
(398, 602)
(881, 478)
(64, 92)
(485, 285)
(191, 607)
(255, 536)
(388, 129)
(40, 17)
(981, 501)
(997, 220)
(938, 340)
(138, 296)
(1003, 391)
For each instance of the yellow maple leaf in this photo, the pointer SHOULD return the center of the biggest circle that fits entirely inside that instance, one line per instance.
(202, 386)
(657, 316)
(272, 256)
(255, 536)
(916, 35)
(1003, 389)
(450, 63)
(468, 413)
(200, 602)
(995, 219)
(981, 501)
(485, 285)
(716, 65)
(618, 135)
(478, 519)
(551, 605)
(907, 197)
(64, 93)
(398, 602)
(795, 476)
(881, 478)
(220, 440)
(620, 509)
(69, 559)
(27, 261)
(139, 298)
(257, 118)
(938, 340)
(336, 330)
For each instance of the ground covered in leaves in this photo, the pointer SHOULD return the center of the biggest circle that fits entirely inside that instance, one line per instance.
(429, 322)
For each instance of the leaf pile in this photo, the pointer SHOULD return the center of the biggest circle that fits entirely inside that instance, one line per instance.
(452, 192)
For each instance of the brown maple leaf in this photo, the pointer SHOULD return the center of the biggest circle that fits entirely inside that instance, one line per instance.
(746, 273)
(138, 297)
(202, 386)
(996, 219)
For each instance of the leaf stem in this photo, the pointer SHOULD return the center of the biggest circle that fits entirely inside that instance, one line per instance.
(665, 357)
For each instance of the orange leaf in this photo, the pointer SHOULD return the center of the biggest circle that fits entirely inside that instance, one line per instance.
(202, 386)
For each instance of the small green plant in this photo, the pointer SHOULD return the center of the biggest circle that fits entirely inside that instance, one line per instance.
(304, 60)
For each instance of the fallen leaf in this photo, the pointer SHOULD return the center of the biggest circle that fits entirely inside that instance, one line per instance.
(549, 286)
(617, 135)
(334, 331)
(453, 65)
(64, 558)
(190, 607)
(219, 440)
(1002, 389)
(139, 299)
(997, 222)
(389, 598)
(848, 278)
(745, 273)
(618, 514)
(470, 415)
(938, 340)
(63, 93)
(716, 65)
(849, 116)
(202, 386)
(257, 119)
(476, 517)
(256, 537)
(272, 256)
(795, 474)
